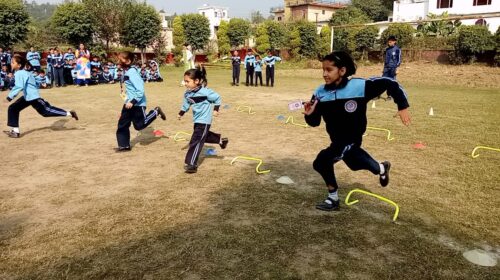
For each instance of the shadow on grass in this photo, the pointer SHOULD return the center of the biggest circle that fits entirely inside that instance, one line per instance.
(146, 137)
(258, 229)
(56, 126)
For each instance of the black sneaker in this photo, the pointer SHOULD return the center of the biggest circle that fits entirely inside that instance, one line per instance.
(331, 205)
(224, 141)
(73, 115)
(12, 134)
(161, 113)
(123, 149)
(384, 178)
(191, 169)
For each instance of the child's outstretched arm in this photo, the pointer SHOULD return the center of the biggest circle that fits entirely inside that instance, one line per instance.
(376, 86)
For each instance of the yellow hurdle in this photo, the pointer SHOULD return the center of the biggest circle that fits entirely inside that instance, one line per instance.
(254, 159)
(474, 155)
(291, 120)
(178, 137)
(374, 195)
(389, 137)
(245, 109)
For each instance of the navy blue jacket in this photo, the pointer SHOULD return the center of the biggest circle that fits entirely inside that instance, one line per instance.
(392, 57)
(344, 109)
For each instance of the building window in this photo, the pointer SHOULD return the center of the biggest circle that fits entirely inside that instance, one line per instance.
(215, 14)
(444, 4)
(323, 12)
(203, 13)
(224, 14)
(279, 18)
(482, 2)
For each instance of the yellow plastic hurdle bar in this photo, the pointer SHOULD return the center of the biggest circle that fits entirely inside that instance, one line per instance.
(474, 155)
(257, 169)
(245, 109)
(376, 196)
(291, 120)
(389, 137)
(178, 137)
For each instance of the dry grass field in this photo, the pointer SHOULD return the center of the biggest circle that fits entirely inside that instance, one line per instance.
(71, 208)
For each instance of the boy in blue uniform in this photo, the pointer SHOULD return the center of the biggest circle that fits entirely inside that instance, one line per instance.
(154, 74)
(249, 66)
(69, 58)
(270, 61)
(258, 70)
(392, 58)
(106, 77)
(134, 109)
(25, 82)
(342, 104)
(33, 58)
(4, 76)
(236, 62)
(95, 64)
(200, 99)
(57, 62)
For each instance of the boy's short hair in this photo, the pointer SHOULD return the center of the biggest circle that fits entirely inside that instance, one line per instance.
(41, 71)
(392, 38)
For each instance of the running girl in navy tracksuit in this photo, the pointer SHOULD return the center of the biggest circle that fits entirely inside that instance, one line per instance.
(25, 82)
(342, 102)
(134, 109)
(200, 99)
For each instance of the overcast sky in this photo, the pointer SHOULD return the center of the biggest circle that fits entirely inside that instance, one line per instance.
(237, 8)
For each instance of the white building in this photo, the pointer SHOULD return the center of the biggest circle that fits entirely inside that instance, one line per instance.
(486, 12)
(215, 15)
(167, 31)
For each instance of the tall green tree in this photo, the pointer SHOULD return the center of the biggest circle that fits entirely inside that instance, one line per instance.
(277, 34)
(109, 16)
(364, 40)
(196, 30)
(403, 32)
(374, 9)
(262, 38)
(325, 38)
(239, 31)
(141, 27)
(304, 40)
(178, 39)
(222, 39)
(349, 15)
(74, 23)
(14, 21)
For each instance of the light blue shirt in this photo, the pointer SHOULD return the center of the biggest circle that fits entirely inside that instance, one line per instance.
(271, 60)
(25, 82)
(201, 101)
(134, 86)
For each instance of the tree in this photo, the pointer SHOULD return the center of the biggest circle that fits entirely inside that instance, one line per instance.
(178, 39)
(472, 40)
(14, 21)
(196, 30)
(365, 40)
(223, 39)
(238, 32)
(277, 34)
(349, 15)
(256, 17)
(402, 31)
(109, 16)
(270, 35)
(142, 25)
(325, 40)
(304, 40)
(374, 9)
(74, 23)
(262, 38)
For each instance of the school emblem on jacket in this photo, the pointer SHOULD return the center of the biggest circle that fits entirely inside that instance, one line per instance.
(351, 106)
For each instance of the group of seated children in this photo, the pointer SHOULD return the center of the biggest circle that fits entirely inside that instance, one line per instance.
(151, 72)
(6, 78)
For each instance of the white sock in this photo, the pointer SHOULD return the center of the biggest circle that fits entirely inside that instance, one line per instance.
(68, 114)
(333, 196)
(382, 169)
(15, 129)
